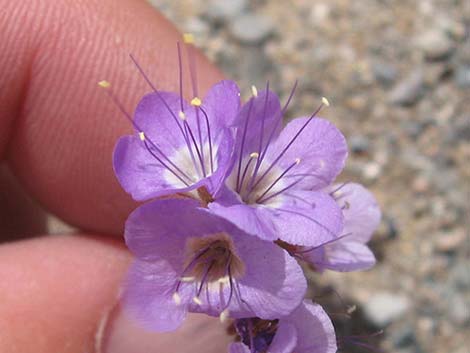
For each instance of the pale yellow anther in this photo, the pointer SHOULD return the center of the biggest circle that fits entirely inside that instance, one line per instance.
(197, 301)
(182, 115)
(224, 316)
(297, 160)
(196, 101)
(254, 155)
(188, 38)
(142, 136)
(254, 90)
(176, 298)
(187, 279)
(325, 101)
(104, 84)
(224, 280)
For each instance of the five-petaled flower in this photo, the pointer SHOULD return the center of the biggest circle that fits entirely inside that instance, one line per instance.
(275, 190)
(190, 260)
(179, 147)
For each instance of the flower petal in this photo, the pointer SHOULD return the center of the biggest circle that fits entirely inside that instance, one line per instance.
(315, 332)
(148, 296)
(285, 339)
(360, 209)
(345, 256)
(252, 220)
(238, 348)
(273, 284)
(308, 218)
(222, 104)
(320, 147)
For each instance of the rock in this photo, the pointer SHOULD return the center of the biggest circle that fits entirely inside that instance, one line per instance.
(462, 76)
(359, 144)
(435, 44)
(251, 28)
(458, 309)
(409, 90)
(384, 308)
(372, 171)
(403, 336)
(219, 11)
(384, 73)
(451, 241)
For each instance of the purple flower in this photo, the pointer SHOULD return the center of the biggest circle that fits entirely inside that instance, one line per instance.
(190, 260)
(275, 190)
(348, 252)
(179, 147)
(306, 330)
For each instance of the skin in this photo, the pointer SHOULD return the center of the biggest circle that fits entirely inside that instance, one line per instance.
(57, 133)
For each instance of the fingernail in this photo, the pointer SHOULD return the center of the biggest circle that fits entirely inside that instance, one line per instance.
(120, 333)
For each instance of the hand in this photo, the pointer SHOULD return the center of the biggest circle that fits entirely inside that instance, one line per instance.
(57, 133)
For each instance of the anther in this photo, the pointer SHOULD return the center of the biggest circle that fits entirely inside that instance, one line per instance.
(181, 115)
(254, 155)
(224, 280)
(197, 300)
(104, 84)
(254, 90)
(297, 160)
(142, 136)
(188, 38)
(187, 279)
(196, 101)
(176, 298)
(224, 316)
(325, 101)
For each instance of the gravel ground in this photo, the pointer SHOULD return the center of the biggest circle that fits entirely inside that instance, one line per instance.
(397, 74)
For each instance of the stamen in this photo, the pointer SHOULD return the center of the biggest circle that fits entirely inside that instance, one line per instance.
(196, 101)
(187, 279)
(303, 251)
(247, 166)
(296, 162)
(289, 144)
(238, 186)
(210, 138)
(142, 135)
(261, 134)
(284, 109)
(104, 84)
(186, 140)
(224, 316)
(188, 38)
(309, 218)
(180, 70)
(189, 41)
(176, 298)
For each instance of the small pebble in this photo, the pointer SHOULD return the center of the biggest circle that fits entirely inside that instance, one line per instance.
(409, 90)
(372, 171)
(220, 11)
(384, 308)
(451, 241)
(435, 44)
(462, 76)
(359, 144)
(384, 73)
(251, 28)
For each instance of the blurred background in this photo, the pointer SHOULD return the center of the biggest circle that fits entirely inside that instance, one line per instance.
(397, 74)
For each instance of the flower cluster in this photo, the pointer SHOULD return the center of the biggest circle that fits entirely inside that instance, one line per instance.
(235, 201)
